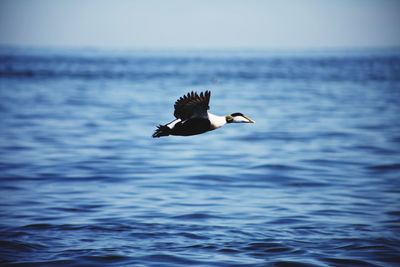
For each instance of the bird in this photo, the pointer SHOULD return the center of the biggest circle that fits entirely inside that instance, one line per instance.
(192, 117)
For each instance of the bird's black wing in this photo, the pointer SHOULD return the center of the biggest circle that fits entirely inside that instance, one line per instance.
(192, 105)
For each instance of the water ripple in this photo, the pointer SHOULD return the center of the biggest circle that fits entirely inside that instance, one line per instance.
(313, 183)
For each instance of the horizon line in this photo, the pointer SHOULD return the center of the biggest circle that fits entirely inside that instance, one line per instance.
(189, 49)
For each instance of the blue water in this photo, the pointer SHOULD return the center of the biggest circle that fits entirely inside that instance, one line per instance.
(315, 182)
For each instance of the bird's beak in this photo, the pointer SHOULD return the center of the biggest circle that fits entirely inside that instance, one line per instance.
(249, 120)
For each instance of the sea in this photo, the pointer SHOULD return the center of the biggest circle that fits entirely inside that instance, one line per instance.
(314, 182)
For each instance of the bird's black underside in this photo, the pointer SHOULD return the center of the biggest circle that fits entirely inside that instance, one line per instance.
(189, 127)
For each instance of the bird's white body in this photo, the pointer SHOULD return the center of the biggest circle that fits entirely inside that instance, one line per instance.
(216, 121)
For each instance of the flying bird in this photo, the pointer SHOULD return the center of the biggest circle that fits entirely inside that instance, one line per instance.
(192, 117)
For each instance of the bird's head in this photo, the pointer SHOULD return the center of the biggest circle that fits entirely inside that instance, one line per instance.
(238, 118)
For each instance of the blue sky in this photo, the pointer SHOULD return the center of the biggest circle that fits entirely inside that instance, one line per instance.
(193, 24)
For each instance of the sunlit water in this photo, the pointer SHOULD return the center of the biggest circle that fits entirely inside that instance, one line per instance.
(315, 182)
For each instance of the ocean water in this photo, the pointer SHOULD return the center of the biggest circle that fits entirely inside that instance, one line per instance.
(314, 182)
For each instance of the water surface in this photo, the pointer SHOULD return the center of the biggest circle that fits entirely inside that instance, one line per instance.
(315, 182)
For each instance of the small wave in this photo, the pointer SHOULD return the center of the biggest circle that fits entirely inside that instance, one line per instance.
(394, 213)
(20, 246)
(348, 262)
(229, 251)
(38, 226)
(288, 221)
(49, 263)
(193, 236)
(277, 167)
(168, 259)
(287, 263)
(385, 167)
(196, 216)
(332, 162)
(104, 259)
(85, 208)
(268, 247)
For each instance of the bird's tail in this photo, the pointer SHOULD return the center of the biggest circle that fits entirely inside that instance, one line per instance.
(162, 130)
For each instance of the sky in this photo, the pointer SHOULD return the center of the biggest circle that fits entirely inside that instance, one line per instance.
(200, 24)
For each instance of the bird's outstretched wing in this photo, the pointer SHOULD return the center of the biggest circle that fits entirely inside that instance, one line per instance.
(192, 105)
